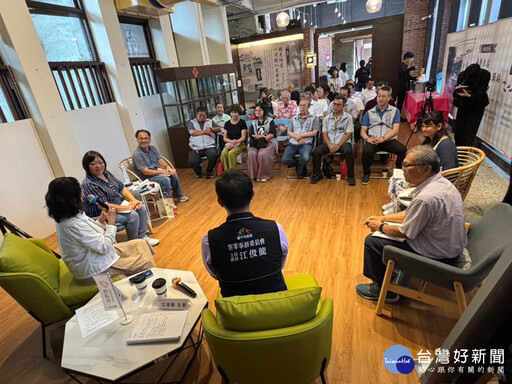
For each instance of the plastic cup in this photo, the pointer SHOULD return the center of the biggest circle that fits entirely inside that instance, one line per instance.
(140, 283)
(338, 177)
(160, 287)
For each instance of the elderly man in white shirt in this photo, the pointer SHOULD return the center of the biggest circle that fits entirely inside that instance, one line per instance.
(369, 92)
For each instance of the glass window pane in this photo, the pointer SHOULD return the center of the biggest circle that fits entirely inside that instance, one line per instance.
(135, 40)
(66, 3)
(188, 90)
(218, 84)
(232, 80)
(225, 79)
(208, 86)
(5, 107)
(189, 111)
(168, 92)
(173, 116)
(235, 97)
(63, 38)
(229, 100)
(210, 105)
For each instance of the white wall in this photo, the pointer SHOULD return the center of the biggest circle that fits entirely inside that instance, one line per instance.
(155, 123)
(217, 34)
(190, 41)
(100, 129)
(26, 174)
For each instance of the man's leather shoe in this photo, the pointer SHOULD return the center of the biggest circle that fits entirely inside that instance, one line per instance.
(316, 178)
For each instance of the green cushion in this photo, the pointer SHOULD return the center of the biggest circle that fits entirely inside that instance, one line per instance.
(21, 255)
(72, 293)
(268, 311)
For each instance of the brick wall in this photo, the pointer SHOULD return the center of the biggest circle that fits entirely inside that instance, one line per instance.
(324, 50)
(309, 46)
(444, 33)
(415, 31)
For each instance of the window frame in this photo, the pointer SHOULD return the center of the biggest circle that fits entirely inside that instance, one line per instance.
(141, 66)
(102, 92)
(12, 95)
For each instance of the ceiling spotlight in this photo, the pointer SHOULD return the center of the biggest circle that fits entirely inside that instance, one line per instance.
(336, 10)
(344, 21)
(298, 17)
(339, 14)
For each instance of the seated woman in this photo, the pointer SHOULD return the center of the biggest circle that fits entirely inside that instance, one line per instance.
(436, 135)
(434, 130)
(101, 183)
(262, 145)
(87, 246)
(235, 134)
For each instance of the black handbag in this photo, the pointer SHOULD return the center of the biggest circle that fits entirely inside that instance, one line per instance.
(258, 143)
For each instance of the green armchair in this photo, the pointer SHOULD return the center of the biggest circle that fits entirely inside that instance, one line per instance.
(40, 282)
(281, 337)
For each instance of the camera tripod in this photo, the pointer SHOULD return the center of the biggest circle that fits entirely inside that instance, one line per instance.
(428, 106)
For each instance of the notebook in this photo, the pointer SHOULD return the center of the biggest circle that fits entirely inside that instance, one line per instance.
(158, 326)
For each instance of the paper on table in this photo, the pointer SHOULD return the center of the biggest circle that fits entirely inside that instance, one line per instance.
(92, 317)
(159, 326)
(384, 236)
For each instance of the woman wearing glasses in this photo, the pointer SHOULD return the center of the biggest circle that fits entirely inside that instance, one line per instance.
(262, 145)
(101, 183)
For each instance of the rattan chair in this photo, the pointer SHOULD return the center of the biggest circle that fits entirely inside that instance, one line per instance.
(470, 159)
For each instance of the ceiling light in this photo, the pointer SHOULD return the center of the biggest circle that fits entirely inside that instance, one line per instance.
(283, 19)
(373, 6)
(336, 10)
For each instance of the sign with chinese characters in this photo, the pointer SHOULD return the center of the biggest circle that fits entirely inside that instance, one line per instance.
(272, 65)
(172, 304)
(461, 361)
(107, 292)
(488, 46)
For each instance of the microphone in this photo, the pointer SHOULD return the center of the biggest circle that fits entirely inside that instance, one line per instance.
(178, 284)
(95, 200)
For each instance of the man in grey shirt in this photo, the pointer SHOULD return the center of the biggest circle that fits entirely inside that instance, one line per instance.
(433, 225)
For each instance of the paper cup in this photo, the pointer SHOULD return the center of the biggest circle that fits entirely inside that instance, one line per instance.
(338, 177)
(140, 283)
(160, 287)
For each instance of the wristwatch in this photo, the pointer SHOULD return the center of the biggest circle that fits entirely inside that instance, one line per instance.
(381, 226)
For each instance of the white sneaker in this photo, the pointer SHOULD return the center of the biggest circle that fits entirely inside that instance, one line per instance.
(183, 199)
(263, 180)
(387, 206)
(152, 242)
(239, 159)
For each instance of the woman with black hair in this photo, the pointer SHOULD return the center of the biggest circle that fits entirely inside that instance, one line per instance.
(102, 184)
(434, 130)
(87, 246)
(262, 145)
(470, 96)
(335, 83)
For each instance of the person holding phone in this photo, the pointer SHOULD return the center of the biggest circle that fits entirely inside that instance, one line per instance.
(470, 97)
(88, 246)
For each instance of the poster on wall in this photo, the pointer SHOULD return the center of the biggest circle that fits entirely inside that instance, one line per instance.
(490, 47)
(273, 65)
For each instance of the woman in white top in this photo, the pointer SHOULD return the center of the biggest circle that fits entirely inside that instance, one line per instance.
(87, 246)
(334, 83)
(343, 73)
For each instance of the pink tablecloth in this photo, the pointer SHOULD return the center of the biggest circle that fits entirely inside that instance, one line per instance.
(414, 102)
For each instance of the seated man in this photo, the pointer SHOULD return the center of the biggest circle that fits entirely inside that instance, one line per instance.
(149, 165)
(380, 128)
(432, 225)
(220, 118)
(337, 129)
(286, 109)
(202, 143)
(373, 102)
(303, 128)
(369, 92)
(246, 254)
(294, 95)
(314, 106)
(324, 102)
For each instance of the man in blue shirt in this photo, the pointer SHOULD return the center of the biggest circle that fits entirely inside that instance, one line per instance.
(380, 129)
(149, 165)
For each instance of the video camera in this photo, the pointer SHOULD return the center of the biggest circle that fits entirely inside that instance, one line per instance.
(430, 86)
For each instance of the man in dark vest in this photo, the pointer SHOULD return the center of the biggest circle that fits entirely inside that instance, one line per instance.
(246, 254)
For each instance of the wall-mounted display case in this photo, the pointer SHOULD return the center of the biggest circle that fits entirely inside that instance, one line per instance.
(184, 89)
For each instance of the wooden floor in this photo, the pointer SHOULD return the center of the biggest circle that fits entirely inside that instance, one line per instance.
(324, 225)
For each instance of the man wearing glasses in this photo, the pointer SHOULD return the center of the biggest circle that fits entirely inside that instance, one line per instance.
(337, 129)
(432, 226)
(149, 165)
(380, 129)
